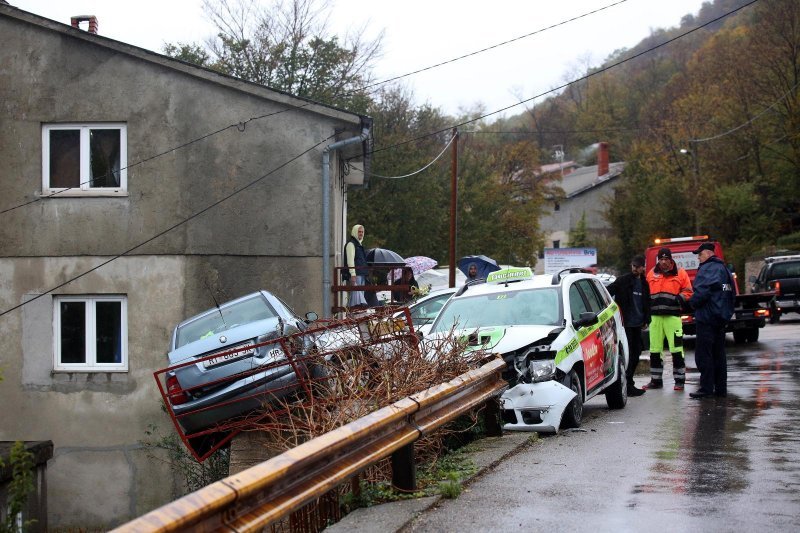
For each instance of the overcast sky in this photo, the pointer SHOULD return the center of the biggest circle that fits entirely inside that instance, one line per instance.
(420, 33)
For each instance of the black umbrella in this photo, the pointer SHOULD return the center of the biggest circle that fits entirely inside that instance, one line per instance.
(486, 265)
(382, 256)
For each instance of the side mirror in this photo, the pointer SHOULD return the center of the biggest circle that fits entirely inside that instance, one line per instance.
(586, 319)
(311, 316)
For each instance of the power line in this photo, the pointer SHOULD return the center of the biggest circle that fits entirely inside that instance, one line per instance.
(492, 47)
(740, 126)
(446, 146)
(241, 125)
(582, 78)
(237, 191)
(176, 225)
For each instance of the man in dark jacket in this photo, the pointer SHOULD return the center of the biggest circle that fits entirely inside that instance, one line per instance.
(713, 302)
(632, 294)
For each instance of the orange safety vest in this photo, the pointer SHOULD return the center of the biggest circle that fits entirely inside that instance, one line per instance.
(669, 292)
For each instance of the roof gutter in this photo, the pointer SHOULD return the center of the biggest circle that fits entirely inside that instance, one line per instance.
(326, 213)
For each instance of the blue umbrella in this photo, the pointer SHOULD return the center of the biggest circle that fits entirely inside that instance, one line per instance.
(485, 265)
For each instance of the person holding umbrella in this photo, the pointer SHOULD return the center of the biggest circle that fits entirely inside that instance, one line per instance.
(356, 263)
(483, 266)
(472, 272)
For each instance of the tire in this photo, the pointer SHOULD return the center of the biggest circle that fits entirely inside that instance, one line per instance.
(617, 393)
(573, 414)
(740, 336)
(752, 335)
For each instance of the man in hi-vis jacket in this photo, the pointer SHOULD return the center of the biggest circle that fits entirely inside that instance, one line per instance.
(670, 290)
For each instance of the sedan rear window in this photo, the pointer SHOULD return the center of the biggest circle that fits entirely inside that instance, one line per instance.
(227, 317)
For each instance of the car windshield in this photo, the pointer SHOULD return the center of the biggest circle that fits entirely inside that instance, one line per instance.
(235, 314)
(510, 308)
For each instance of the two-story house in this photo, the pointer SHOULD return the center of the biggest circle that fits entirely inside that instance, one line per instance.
(135, 187)
(587, 193)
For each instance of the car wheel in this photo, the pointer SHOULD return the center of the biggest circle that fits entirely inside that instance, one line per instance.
(617, 393)
(740, 336)
(752, 335)
(573, 414)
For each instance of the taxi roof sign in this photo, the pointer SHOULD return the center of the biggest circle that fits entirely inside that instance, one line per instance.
(509, 274)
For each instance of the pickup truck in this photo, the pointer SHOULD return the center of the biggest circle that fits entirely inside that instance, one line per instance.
(749, 315)
(781, 275)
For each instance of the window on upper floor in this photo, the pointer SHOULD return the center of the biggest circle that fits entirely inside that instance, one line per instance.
(91, 333)
(84, 159)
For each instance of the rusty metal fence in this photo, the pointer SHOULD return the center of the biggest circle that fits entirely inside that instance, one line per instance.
(303, 369)
(270, 491)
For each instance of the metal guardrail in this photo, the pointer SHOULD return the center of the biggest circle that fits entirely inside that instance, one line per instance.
(270, 491)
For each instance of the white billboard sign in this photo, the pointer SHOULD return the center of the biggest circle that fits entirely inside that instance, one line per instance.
(557, 259)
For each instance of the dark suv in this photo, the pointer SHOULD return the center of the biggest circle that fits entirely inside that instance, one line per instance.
(782, 275)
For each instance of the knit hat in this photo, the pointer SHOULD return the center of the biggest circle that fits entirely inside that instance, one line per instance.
(665, 252)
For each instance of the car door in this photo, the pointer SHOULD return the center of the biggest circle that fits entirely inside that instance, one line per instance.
(608, 329)
(583, 299)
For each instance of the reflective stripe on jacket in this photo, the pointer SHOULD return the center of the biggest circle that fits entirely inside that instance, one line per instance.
(669, 291)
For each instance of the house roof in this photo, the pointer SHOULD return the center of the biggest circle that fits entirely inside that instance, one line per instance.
(556, 167)
(255, 89)
(583, 179)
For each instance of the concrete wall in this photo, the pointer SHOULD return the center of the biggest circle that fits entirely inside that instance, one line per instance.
(269, 236)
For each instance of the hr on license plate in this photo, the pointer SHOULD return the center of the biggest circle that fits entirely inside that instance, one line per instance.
(214, 361)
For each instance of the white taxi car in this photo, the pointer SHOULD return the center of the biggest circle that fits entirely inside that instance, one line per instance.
(561, 336)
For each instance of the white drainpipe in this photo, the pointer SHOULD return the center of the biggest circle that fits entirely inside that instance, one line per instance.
(326, 216)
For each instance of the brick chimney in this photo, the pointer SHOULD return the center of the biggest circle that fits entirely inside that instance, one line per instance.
(602, 159)
(91, 19)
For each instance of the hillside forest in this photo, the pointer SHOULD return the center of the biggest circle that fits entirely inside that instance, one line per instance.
(706, 117)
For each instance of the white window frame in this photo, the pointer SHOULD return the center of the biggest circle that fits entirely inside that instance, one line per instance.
(91, 364)
(84, 188)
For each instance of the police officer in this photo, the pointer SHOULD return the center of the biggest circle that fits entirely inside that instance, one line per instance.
(713, 302)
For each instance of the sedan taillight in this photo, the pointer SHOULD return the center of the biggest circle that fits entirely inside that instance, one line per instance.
(177, 395)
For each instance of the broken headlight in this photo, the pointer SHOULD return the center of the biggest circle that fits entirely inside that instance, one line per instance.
(541, 369)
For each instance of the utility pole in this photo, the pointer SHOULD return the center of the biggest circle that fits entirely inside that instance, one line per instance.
(692, 151)
(453, 204)
(693, 146)
(696, 161)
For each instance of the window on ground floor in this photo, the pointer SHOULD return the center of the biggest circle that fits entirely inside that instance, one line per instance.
(91, 333)
(84, 159)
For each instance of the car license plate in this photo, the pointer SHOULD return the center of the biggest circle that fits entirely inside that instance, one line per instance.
(214, 361)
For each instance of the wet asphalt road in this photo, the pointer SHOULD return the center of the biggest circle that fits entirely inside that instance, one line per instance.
(664, 463)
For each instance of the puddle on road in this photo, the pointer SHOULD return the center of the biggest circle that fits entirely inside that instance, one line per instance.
(721, 446)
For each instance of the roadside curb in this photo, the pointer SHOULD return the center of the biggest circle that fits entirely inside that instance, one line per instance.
(485, 454)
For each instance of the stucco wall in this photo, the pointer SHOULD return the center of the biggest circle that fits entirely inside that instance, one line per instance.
(269, 236)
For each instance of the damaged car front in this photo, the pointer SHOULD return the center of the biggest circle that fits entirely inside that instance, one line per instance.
(523, 320)
(561, 336)
(538, 398)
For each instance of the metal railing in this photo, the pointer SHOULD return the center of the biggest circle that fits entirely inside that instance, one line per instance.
(270, 491)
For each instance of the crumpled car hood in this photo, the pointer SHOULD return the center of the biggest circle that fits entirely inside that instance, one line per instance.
(504, 339)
